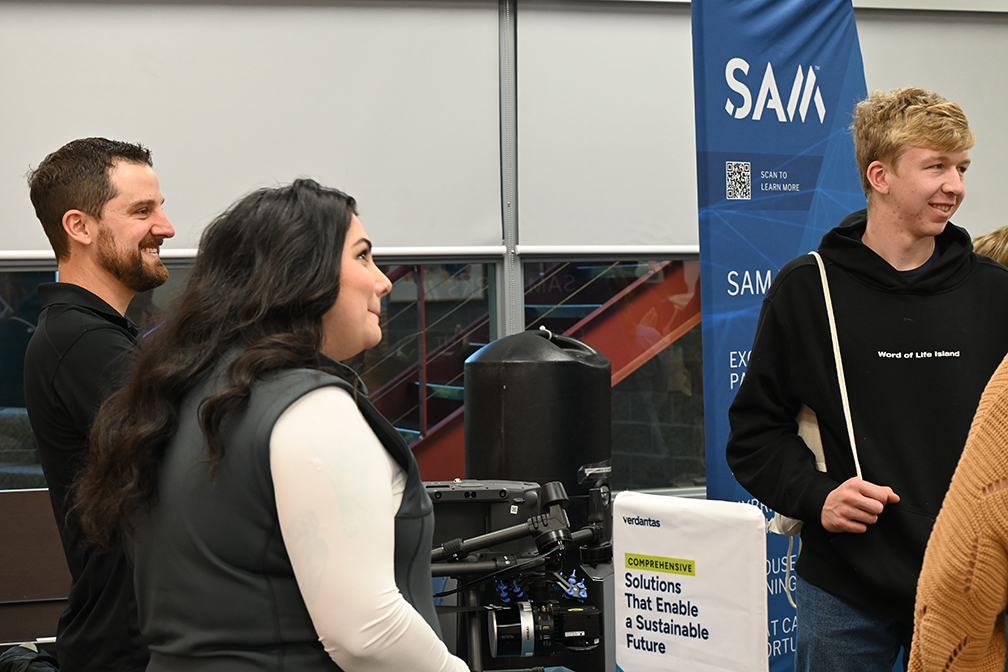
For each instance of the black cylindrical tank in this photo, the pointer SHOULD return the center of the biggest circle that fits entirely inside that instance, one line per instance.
(538, 408)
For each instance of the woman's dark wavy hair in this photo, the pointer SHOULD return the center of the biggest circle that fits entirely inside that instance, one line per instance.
(268, 269)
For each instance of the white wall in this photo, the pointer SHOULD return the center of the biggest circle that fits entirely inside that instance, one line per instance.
(606, 148)
(395, 102)
(398, 102)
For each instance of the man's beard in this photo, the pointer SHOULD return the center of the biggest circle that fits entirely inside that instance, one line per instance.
(129, 267)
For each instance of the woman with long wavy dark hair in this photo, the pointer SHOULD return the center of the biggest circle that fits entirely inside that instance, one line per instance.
(275, 518)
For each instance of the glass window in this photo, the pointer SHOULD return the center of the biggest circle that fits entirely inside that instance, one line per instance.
(434, 318)
(645, 317)
(19, 312)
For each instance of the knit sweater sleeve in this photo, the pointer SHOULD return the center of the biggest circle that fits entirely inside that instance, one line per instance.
(337, 492)
(963, 587)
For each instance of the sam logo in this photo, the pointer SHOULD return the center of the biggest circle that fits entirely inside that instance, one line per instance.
(804, 92)
(637, 520)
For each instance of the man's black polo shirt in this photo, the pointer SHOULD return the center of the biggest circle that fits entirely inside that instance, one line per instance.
(78, 355)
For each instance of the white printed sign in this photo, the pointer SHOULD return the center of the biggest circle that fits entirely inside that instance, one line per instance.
(690, 584)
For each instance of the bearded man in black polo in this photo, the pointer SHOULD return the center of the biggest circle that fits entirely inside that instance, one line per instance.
(100, 204)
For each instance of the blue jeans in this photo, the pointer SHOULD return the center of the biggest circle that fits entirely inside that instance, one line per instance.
(834, 636)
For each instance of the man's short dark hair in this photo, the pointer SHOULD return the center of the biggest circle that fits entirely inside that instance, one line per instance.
(76, 177)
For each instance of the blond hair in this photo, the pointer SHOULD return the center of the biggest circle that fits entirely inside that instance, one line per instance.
(993, 245)
(887, 124)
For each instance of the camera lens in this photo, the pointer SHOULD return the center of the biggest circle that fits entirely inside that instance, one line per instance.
(523, 630)
(543, 628)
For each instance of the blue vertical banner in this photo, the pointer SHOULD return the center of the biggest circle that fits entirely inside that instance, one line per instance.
(775, 82)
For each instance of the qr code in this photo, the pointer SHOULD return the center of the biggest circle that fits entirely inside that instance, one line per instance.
(738, 181)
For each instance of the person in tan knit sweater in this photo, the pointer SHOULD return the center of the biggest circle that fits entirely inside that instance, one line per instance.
(963, 587)
(993, 245)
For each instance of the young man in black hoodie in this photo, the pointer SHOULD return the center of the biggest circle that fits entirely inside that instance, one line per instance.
(922, 325)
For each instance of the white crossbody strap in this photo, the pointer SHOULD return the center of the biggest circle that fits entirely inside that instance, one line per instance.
(839, 362)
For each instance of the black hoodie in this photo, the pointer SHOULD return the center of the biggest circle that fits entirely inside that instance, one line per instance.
(917, 354)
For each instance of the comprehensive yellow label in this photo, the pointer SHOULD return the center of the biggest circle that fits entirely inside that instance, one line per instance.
(656, 563)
